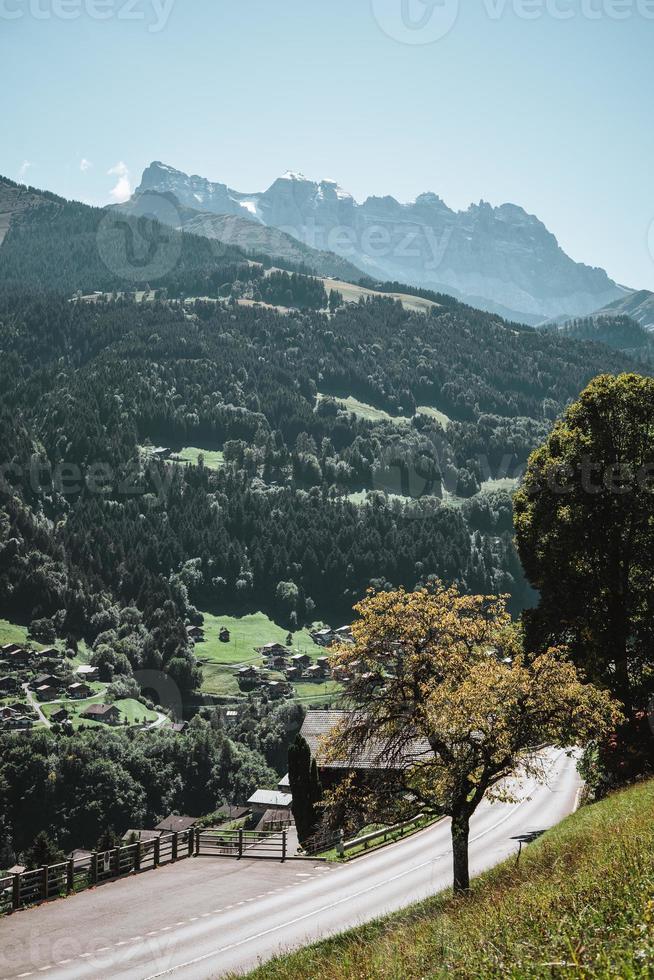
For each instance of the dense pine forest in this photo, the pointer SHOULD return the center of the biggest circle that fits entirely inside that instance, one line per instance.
(93, 524)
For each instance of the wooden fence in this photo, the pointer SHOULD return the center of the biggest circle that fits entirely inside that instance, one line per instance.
(55, 881)
(242, 844)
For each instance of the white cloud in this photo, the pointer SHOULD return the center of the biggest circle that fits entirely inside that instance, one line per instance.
(24, 167)
(123, 189)
(85, 164)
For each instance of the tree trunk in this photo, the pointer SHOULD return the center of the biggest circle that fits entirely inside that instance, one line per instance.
(460, 834)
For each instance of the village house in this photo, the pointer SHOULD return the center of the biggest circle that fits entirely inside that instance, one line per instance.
(323, 637)
(50, 653)
(50, 679)
(16, 655)
(45, 692)
(21, 708)
(272, 650)
(195, 633)
(344, 634)
(18, 724)
(9, 648)
(371, 760)
(108, 714)
(275, 820)
(179, 727)
(160, 452)
(315, 673)
(224, 636)
(176, 823)
(60, 715)
(301, 660)
(269, 799)
(80, 857)
(9, 684)
(248, 678)
(278, 689)
(79, 691)
(86, 672)
(293, 673)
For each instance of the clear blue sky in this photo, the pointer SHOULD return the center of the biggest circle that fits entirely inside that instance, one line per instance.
(552, 114)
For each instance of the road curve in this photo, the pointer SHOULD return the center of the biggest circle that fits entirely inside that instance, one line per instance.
(205, 917)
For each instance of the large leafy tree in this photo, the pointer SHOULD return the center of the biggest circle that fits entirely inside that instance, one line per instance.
(447, 706)
(585, 533)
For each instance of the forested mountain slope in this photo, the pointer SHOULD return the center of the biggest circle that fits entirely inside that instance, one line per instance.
(241, 231)
(91, 525)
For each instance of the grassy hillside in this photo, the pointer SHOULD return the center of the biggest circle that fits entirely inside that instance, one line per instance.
(580, 904)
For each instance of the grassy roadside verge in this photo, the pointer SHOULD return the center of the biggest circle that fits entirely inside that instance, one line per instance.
(579, 904)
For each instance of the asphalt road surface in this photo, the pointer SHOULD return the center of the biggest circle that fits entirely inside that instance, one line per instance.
(204, 917)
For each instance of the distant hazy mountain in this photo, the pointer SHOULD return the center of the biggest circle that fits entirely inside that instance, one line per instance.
(236, 229)
(500, 259)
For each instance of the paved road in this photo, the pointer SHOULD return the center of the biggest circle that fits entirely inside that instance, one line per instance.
(206, 916)
(32, 700)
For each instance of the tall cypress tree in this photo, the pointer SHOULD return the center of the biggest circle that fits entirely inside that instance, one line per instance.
(305, 788)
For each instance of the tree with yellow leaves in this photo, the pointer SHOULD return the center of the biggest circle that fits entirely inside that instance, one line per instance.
(446, 703)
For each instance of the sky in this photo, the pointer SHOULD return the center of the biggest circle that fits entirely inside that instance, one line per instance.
(542, 103)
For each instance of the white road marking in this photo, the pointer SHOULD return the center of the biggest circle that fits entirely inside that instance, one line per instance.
(286, 925)
(333, 905)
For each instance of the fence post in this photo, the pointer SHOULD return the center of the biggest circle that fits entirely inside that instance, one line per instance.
(175, 839)
(240, 844)
(15, 899)
(157, 851)
(70, 877)
(137, 856)
(190, 843)
(197, 841)
(340, 850)
(45, 884)
(94, 867)
(283, 846)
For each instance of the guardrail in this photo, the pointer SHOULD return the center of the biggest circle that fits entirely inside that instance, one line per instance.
(77, 874)
(380, 836)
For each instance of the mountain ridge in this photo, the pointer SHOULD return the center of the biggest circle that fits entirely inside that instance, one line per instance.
(501, 259)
